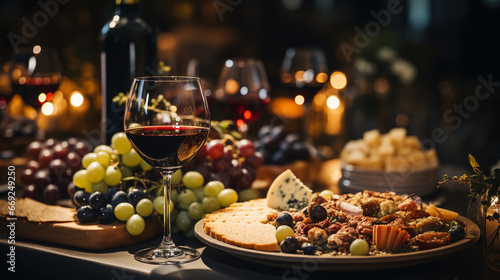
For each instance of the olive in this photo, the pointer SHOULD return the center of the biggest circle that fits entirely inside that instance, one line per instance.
(317, 213)
(457, 233)
(284, 219)
(289, 245)
(308, 249)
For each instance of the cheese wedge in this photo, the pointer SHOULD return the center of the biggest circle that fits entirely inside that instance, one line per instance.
(287, 191)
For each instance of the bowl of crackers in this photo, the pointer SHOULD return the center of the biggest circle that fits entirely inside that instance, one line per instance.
(393, 161)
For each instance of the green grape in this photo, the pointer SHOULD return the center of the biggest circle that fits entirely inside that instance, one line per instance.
(95, 172)
(124, 210)
(88, 159)
(189, 233)
(192, 179)
(176, 178)
(213, 188)
(359, 247)
(183, 221)
(100, 186)
(195, 211)
(158, 203)
(120, 143)
(283, 232)
(326, 194)
(135, 225)
(145, 166)
(174, 194)
(144, 207)
(185, 198)
(102, 157)
(126, 172)
(210, 204)
(227, 196)
(113, 176)
(248, 194)
(131, 158)
(104, 148)
(199, 192)
(173, 216)
(80, 180)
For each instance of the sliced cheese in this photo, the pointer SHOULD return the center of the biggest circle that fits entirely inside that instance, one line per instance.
(287, 191)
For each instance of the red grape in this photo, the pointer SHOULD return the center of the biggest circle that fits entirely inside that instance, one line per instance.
(246, 148)
(60, 152)
(51, 194)
(71, 189)
(41, 179)
(27, 176)
(228, 153)
(81, 148)
(202, 154)
(59, 171)
(46, 155)
(34, 149)
(33, 165)
(50, 143)
(215, 149)
(234, 168)
(256, 160)
(32, 192)
(73, 161)
(245, 181)
(219, 164)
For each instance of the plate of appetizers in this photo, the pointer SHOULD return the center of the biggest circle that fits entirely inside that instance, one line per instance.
(367, 230)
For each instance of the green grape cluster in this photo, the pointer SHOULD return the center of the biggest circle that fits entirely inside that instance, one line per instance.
(193, 199)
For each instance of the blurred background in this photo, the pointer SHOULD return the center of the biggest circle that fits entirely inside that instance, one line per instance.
(416, 64)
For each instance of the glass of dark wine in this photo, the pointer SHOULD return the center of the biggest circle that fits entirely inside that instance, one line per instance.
(35, 71)
(305, 70)
(167, 120)
(243, 91)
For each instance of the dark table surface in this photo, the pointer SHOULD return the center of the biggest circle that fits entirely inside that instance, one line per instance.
(35, 260)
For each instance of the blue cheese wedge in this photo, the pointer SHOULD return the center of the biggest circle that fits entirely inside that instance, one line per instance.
(287, 191)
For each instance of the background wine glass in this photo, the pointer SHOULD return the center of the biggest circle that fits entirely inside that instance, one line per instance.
(167, 120)
(242, 91)
(35, 71)
(305, 70)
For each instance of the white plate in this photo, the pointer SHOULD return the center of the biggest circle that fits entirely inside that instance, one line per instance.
(378, 262)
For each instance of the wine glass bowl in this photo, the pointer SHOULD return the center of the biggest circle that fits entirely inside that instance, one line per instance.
(243, 90)
(306, 69)
(167, 120)
(35, 71)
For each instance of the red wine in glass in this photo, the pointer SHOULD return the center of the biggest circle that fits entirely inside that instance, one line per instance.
(32, 88)
(167, 146)
(246, 110)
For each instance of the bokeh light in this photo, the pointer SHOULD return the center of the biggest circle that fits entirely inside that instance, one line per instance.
(338, 80)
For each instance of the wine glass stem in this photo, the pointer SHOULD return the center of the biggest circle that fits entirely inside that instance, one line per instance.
(167, 241)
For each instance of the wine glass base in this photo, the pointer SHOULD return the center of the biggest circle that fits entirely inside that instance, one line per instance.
(175, 255)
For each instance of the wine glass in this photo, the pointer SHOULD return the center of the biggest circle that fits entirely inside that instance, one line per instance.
(243, 91)
(35, 71)
(167, 121)
(304, 69)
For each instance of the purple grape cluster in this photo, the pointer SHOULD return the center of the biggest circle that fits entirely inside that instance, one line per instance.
(48, 174)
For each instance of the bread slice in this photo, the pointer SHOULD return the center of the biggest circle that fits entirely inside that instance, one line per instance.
(243, 224)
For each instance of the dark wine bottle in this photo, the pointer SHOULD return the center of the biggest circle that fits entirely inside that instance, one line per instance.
(129, 51)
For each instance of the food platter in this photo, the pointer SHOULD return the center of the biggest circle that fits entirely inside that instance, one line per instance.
(338, 263)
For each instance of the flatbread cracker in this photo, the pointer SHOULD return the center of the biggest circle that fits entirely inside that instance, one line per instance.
(38, 212)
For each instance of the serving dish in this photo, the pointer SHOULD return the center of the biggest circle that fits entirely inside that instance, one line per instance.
(344, 263)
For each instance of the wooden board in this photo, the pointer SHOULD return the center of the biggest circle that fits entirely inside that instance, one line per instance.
(85, 236)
